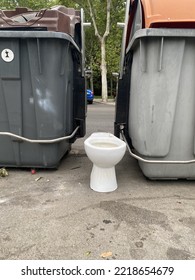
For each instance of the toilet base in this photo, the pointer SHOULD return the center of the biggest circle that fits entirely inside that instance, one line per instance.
(103, 179)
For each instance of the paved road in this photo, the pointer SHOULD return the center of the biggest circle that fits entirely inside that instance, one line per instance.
(100, 117)
(60, 217)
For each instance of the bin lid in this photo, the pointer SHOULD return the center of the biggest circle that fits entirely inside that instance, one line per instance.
(169, 13)
(58, 18)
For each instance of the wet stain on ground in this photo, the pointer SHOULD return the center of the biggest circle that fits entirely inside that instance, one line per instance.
(92, 235)
(107, 221)
(7, 238)
(176, 238)
(137, 254)
(135, 215)
(177, 254)
(188, 222)
(24, 201)
(139, 244)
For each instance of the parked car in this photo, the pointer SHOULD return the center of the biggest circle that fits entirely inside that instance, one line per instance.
(90, 96)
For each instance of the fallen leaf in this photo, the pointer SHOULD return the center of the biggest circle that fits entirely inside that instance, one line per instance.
(39, 178)
(106, 254)
(76, 167)
(88, 253)
(3, 172)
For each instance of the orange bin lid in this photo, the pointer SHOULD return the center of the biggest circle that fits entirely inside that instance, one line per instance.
(165, 12)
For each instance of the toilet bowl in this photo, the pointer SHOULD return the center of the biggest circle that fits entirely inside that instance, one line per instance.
(105, 151)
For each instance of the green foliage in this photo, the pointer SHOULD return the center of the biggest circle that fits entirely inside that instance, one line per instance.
(33, 4)
(115, 37)
(113, 43)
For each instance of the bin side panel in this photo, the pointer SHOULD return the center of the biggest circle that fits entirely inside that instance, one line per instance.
(155, 83)
(36, 93)
(168, 171)
(50, 99)
(13, 104)
(168, 132)
(11, 99)
(51, 87)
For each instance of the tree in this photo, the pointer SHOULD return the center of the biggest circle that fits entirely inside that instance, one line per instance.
(102, 39)
(101, 25)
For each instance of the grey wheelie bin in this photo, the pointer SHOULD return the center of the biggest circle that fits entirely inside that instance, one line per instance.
(42, 85)
(155, 110)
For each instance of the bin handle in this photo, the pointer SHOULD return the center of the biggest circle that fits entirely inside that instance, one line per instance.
(50, 141)
(124, 26)
(42, 12)
(153, 161)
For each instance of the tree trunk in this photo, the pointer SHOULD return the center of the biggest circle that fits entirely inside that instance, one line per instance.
(102, 40)
(104, 71)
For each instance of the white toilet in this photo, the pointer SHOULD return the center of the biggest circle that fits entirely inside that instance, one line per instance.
(105, 151)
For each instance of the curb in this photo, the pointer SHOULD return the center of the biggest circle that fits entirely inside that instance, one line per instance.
(109, 102)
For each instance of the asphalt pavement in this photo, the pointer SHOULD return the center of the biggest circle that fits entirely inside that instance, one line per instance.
(54, 214)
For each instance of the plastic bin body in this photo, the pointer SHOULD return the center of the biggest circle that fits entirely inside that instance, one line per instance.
(155, 102)
(36, 96)
(162, 98)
